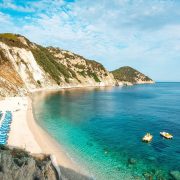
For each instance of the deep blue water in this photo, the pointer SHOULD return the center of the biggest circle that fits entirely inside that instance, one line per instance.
(101, 128)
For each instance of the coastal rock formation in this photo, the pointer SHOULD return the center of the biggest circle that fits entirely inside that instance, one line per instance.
(129, 76)
(18, 164)
(26, 66)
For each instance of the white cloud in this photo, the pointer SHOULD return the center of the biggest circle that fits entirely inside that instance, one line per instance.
(6, 22)
(4, 18)
(117, 32)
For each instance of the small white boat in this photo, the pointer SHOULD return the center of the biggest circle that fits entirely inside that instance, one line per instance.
(166, 135)
(147, 138)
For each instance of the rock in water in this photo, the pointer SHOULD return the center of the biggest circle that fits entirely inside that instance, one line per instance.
(131, 161)
(175, 175)
(148, 175)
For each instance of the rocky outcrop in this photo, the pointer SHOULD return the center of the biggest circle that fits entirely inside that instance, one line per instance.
(129, 76)
(16, 164)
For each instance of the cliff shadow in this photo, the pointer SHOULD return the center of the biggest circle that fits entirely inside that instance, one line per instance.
(69, 174)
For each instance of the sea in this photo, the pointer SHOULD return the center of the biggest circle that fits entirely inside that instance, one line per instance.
(102, 128)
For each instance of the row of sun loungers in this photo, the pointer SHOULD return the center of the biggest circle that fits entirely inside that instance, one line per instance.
(5, 124)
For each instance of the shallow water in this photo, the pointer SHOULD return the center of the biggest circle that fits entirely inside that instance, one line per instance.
(101, 128)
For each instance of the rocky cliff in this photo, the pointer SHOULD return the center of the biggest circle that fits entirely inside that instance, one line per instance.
(20, 165)
(26, 66)
(129, 76)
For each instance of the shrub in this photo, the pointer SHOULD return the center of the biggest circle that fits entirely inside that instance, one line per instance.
(50, 65)
(82, 73)
(94, 75)
(8, 36)
(80, 66)
(69, 56)
(12, 40)
(38, 81)
(73, 73)
(95, 65)
(48, 62)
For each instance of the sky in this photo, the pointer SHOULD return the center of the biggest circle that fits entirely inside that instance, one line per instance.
(143, 34)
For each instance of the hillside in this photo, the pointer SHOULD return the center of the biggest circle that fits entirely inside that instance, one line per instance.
(130, 76)
(26, 66)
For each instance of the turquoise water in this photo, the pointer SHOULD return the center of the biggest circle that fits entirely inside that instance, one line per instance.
(101, 128)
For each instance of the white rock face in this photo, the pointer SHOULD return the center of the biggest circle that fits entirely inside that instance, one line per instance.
(126, 83)
(27, 74)
(34, 76)
(144, 82)
(24, 63)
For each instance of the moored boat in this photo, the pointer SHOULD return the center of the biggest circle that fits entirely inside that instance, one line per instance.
(166, 135)
(147, 138)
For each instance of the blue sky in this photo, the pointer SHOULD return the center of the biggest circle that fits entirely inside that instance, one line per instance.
(144, 34)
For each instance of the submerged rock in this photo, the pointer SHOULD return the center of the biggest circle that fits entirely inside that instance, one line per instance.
(20, 165)
(137, 177)
(175, 175)
(148, 175)
(159, 175)
(151, 158)
(131, 161)
(155, 174)
(89, 144)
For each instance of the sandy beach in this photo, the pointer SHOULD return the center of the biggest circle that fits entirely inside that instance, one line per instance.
(27, 134)
(20, 134)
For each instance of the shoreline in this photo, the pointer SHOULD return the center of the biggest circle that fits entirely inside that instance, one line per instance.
(49, 145)
(54, 89)
(87, 86)
(26, 134)
(20, 135)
